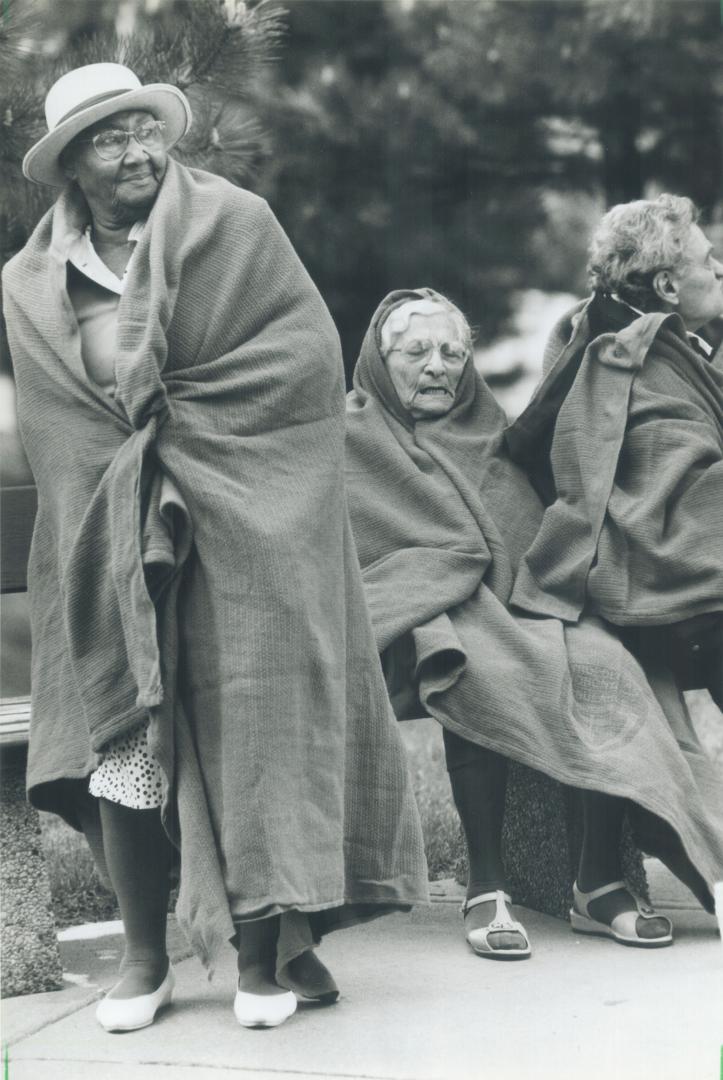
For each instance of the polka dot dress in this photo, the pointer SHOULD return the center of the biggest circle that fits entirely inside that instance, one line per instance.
(129, 774)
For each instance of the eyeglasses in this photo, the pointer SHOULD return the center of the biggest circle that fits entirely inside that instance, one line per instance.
(112, 143)
(422, 350)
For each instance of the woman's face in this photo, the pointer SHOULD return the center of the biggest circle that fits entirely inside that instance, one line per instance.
(699, 282)
(426, 362)
(125, 187)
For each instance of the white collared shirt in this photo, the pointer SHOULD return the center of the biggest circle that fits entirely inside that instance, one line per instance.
(85, 258)
(95, 297)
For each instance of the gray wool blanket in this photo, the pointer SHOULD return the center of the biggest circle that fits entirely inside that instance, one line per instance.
(233, 617)
(630, 418)
(442, 518)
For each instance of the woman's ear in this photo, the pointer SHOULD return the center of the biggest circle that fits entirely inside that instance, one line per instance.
(665, 286)
(67, 163)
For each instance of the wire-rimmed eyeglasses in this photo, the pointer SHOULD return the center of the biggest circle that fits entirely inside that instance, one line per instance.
(112, 143)
(422, 350)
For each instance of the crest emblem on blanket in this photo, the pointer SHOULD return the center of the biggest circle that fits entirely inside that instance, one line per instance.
(608, 709)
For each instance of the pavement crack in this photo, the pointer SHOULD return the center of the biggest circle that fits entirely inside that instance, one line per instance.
(221, 1068)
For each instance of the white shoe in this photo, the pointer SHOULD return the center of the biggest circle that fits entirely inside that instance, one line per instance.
(129, 1014)
(263, 1010)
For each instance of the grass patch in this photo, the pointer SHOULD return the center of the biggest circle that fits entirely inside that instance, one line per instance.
(77, 892)
(443, 839)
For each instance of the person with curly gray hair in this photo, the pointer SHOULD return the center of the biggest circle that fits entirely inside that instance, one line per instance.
(624, 441)
(652, 255)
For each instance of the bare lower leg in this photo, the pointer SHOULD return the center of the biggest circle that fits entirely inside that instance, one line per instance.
(600, 862)
(139, 856)
(479, 781)
(603, 826)
(257, 956)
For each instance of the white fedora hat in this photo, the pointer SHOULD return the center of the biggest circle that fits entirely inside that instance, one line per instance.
(88, 94)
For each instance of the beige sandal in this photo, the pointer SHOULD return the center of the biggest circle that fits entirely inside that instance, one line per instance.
(503, 923)
(623, 927)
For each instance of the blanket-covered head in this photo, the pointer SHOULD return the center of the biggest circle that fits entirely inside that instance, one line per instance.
(85, 104)
(436, 504)
(416, 358)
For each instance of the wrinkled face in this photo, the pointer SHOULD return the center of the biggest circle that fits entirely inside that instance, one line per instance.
(699, 279)
(426, 363)
(123, 187)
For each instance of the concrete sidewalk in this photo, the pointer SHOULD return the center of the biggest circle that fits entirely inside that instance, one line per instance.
(416, 1005)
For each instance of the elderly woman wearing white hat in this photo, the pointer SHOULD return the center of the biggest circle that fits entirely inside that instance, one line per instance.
(206, 688)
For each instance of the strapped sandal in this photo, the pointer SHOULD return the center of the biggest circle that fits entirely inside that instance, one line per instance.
(502, 923)
(623, 927)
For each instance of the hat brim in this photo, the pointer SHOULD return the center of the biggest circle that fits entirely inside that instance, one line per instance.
(166, 102)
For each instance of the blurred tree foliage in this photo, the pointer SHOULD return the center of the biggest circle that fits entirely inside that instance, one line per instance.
(423, 143)
(213, 51)
(462, 144)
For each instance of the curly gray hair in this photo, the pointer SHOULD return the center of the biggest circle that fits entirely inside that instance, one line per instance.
(634, 241)
(398, 319)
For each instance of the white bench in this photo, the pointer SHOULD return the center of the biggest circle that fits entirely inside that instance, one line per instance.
(14, 721)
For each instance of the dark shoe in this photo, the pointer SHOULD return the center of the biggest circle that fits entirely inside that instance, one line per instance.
(310, 979)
